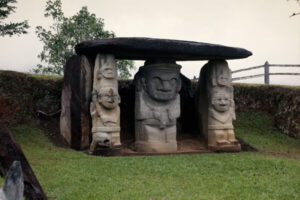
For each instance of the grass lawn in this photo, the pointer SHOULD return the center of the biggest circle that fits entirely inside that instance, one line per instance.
(271, 173)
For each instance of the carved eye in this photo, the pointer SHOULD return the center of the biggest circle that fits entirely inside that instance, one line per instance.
(173, 81)
(116, 98)
(156, 80)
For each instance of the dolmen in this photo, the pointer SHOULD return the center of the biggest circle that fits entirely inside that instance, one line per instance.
(90, 116)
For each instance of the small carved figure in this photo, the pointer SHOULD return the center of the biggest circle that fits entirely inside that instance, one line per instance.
(220, 116)
(157, 107)
(105, 114)
(217, 109)
(218, 74)
(104, 108)
(106, 74)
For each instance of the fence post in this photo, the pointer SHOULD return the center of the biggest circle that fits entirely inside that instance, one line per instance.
(267, 75)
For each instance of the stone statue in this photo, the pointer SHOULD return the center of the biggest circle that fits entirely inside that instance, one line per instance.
(157, 107)
(105, 71)
(104, 108)
(217, 110)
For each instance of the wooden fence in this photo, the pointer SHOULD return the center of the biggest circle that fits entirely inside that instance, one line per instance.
(266, 73)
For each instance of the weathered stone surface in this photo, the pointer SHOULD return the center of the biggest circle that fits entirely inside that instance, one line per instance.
(104, 108)
(147, 48)
(13, 187)
(216, 108)
(10, 151)
(157, 107)
(75, 122)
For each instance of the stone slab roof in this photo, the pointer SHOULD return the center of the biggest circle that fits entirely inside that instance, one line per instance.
(139, 48)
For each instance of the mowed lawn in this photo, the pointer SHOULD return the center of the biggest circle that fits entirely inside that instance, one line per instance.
(271, 173)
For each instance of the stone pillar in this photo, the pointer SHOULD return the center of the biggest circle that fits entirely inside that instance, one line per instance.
(157, 106)
(215, 106)
(104, 107)
(76, 94)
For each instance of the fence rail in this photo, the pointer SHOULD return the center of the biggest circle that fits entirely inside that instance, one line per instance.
(266, 73)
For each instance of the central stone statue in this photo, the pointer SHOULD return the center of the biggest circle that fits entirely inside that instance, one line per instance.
(157, 106)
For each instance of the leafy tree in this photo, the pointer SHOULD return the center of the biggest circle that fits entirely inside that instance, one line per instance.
(65, 33)
(11, 28)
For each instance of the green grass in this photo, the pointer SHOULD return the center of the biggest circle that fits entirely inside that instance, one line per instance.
(67, 174)
(259, 130)
(45, 76)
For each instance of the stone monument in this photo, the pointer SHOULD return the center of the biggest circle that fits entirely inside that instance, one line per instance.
(104, 107)
(157, 102)
(157, 106)
(216, 106)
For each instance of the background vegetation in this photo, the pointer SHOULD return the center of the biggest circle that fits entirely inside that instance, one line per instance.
(61, 37)
(10, 29)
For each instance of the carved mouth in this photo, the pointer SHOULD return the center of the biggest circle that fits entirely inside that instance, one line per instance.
(164, 90)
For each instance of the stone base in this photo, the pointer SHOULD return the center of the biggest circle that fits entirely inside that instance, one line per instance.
(103, 149)
(232, 147)
(156, 147)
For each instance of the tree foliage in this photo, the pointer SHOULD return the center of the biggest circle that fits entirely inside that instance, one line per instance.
(10, 28)
(65, 32)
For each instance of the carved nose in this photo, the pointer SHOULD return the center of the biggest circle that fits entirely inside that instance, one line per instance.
(223, 102)
(166, 86)
(110, 100)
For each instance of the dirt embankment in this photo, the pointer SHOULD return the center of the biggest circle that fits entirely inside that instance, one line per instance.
(22, 95)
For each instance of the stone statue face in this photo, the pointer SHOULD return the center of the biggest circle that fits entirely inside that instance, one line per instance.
(223, 75)
(108, 71)
(108, 98)
(162, 85)
(221, 101)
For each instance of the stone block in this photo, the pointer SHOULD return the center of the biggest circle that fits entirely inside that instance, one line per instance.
(140, 48)
(75, 120)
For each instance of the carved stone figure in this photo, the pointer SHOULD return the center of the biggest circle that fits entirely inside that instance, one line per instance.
(157, 107)
(104, 108)
(105, 72)
(216, 106)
